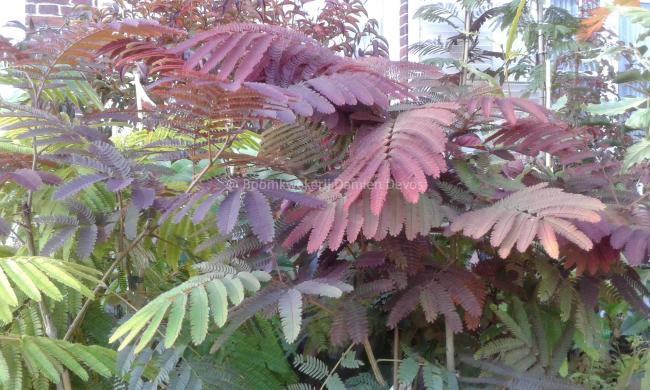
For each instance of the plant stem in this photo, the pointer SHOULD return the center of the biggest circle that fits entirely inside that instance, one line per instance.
(335, 366)
(395, 358)
(102, 283)
(205, 170)
(449, 347)
(50, 329)
(373, 362)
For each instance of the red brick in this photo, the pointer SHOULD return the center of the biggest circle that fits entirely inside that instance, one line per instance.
(64, 2)
(66, 10)
(48, 9)
(84, 2)
(46, 20)
(30, 9)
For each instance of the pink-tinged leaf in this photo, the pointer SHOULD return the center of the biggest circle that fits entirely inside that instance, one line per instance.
(486, 105)
(635, 249)
(380, 188)
(355, 220)
(229, 211)
(359, 89)
(316, 100)
(290, 308)
(72, 187)
(338, 228)
(511, 237)
(357, 185)
(503, 227)
(322, 224)
(548, 239)
(259, 215)
(467, 140)
(301, 230)
(324, 86)
(229, 63)
(86, 239)
(540, 113)
(508, 111)
(394, 215)
(275, 94)
(202, 52)
(27, 178)
(528, 230)
(370, 221)
(412, 167)
(217, 55)
(403, 178)
(301, 107)
(143, 198)
(253, 57)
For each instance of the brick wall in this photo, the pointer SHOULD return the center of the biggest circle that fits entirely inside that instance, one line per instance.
(51, 12)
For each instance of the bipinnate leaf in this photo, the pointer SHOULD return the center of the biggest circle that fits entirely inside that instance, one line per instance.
(290, 308)
(205, 293)
(27, 178)
(534, 211)
(314, 287)
(175, 320)
(75, 185)
(405, 150)
(58, 239)
(229, 211)
(35, 276)
(259, 215)
(199, 311)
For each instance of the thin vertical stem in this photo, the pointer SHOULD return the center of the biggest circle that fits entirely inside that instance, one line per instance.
(545, 62)
(373, 363)
(466, 33)
(449, 347)
(50, 329)
(395, 358)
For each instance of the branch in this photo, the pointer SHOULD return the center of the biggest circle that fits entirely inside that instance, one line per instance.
(373, 363)
(102, 283)
(335, 366)
(205, 170)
